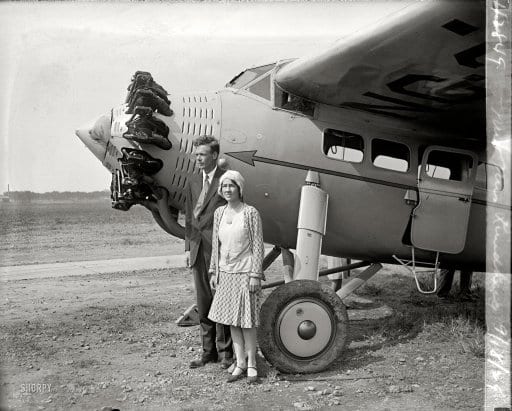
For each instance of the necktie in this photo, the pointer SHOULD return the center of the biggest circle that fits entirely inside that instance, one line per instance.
(202, 196)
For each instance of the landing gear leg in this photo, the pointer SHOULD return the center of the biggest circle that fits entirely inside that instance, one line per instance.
(310, 228)
(359, 280)
(288, 261)
(303, 322)
(288, 264)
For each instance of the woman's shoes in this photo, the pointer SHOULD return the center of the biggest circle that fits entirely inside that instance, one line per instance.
(252, 379)
(238, 376)
(241, 372)
(231, 368)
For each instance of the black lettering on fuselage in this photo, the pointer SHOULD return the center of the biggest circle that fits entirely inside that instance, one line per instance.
(468, 57)
(398, 86)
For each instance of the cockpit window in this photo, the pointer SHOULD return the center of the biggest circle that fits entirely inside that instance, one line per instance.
(245, 77)
(288, 101)
(261, 88)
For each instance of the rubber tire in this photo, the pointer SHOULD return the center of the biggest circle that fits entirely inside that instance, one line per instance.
(271, 309)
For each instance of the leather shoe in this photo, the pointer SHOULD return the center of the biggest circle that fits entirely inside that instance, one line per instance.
(252, 379)
(201, 362)
(236, 377)
(465, 297)
(226, 363)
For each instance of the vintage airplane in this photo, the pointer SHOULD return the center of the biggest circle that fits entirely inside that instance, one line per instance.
(374, 149)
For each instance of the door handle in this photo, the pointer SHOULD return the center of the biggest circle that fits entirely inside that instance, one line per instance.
(411, 197)
(464, 199)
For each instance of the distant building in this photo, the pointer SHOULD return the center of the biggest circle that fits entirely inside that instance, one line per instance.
(6, 197)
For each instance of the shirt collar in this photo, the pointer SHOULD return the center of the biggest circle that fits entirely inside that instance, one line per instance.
(210, 175)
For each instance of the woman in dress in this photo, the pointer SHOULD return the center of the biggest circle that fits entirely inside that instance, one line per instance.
(236, 270)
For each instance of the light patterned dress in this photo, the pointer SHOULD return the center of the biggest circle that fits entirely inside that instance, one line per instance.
(237, 255)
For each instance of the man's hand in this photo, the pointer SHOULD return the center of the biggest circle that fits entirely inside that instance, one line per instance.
(254, 284)
(187, 259)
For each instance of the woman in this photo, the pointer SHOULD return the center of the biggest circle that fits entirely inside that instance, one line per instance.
(236, 270)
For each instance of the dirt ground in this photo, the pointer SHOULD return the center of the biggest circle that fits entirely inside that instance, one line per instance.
(111, 341)
(106, 341)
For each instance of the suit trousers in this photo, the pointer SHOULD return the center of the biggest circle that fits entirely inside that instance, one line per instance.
(446, 281)
(216, 338)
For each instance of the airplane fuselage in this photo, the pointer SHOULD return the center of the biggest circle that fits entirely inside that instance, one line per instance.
(368, 212)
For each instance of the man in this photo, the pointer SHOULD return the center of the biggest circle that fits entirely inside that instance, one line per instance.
(446, 281)
(201, 202)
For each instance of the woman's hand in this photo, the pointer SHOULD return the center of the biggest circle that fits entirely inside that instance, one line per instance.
(187, 259)
(213, 281)
(254, 284)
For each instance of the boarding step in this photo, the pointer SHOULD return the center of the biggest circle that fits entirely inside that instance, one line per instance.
(411, 266)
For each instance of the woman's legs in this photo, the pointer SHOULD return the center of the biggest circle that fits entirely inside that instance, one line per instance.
(249, 337)
(239, 348)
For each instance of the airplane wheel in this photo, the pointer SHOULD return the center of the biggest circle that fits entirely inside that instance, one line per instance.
(303, 327)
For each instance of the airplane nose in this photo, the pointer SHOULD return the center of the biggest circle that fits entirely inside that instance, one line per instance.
(95, 135)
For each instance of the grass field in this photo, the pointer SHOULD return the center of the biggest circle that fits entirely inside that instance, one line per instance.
(55, 232)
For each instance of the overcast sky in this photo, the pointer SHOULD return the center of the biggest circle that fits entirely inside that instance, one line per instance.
(63, 64)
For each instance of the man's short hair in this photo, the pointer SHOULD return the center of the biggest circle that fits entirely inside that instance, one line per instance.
(210, 141)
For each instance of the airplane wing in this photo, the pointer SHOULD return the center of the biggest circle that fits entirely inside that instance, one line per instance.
(423, 66)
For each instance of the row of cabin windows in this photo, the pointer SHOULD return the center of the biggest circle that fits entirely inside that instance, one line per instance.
(390, 155)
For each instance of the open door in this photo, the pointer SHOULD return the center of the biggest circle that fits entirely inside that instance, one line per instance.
(446, 178)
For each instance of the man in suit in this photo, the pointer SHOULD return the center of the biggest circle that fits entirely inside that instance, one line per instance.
(202, 200)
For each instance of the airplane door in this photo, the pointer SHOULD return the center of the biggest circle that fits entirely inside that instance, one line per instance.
(445, 182)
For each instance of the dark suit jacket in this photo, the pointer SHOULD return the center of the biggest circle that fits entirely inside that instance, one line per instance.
(199, 231)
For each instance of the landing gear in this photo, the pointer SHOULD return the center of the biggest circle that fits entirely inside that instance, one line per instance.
(303, 323)
(304, 327)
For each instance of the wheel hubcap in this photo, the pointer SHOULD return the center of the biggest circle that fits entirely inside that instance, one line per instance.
(305, 328)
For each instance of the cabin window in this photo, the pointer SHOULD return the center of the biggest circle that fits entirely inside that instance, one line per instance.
(245, 77)
(448, 166)
(261, 88)
(390, 155)
(489, 177)
(344, 146)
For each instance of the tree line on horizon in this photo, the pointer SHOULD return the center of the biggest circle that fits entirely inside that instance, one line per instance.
(56, 195)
